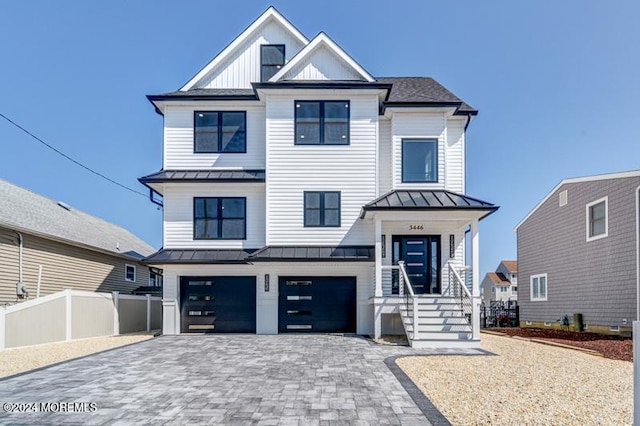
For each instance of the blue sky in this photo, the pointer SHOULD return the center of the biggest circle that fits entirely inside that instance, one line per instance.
(556, 84)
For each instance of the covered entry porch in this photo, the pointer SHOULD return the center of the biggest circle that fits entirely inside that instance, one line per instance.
(425, 283)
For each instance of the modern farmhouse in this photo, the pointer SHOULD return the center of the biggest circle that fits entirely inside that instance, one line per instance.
(301, 194)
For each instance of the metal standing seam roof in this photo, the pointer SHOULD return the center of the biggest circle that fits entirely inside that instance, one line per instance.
(165, 256)
(26, 211)
(427, 200)
(204, 175)
(314, 253)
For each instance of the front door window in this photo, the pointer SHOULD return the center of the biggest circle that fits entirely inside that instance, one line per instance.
(421, 255)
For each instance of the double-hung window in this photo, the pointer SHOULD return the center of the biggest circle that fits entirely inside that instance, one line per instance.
(220, 132)
(419, 160)
(539, 287)
(271, 60)
(597, 220)
(130, 273)
(322, 122)
(321, 209)
(217, 218)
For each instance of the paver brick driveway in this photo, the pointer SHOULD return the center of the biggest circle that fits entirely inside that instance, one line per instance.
(224, 379)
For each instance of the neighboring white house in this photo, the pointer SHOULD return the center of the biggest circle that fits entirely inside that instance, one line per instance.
(293, 182)
(501, 285)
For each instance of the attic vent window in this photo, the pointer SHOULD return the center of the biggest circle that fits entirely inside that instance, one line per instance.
(564, 199)
(64, 205)
(271, 60)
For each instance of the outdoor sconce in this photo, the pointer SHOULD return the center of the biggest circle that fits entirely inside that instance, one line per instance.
(266, 283)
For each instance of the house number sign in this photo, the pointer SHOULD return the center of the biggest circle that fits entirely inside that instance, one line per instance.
(416, 227)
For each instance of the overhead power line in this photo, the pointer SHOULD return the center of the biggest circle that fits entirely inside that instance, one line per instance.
(57, 151)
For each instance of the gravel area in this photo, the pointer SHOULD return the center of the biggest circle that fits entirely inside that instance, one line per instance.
(527, 383)
(19, 360)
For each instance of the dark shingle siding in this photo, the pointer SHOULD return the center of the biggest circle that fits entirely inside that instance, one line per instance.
(595, 278)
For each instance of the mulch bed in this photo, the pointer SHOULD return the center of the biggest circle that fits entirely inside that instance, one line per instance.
(613, 347)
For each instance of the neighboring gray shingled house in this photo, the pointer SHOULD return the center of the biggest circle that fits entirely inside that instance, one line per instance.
(578, 252)
(75, 250)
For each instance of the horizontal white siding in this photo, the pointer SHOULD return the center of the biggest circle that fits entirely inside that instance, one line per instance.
(243, 68)
(293, 169)
(267, 302)
(179, 137)
(412, 125)
(385, 174)
(322, 64)
(178, 214)
(454, 164)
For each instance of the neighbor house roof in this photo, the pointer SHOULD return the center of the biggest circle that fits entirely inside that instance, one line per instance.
(498, 279)
(25, 211)
(594, 178)
(511, 265)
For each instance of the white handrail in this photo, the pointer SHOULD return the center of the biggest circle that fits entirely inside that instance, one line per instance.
(405, 277)
(457, 277)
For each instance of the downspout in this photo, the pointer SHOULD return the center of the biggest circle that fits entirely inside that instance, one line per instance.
(638, 253)
(20, 241)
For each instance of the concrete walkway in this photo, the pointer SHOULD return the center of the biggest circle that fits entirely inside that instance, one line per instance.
(227, 379)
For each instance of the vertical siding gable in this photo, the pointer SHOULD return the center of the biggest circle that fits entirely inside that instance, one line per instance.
(322, 64)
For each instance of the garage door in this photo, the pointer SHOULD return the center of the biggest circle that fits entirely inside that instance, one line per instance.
(317, 304)
(218, 304)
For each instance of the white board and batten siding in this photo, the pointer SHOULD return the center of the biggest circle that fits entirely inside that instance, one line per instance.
(293, 169)
(267, 302)
(385, 155)
(178, 214)
(179, 137)
(430, 125)
(243, 68)
(322, 64)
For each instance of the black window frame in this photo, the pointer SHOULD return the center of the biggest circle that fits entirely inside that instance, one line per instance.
(437, 159)
(262, 64)
(220, 218)
(220, 133)
(321, 122)
(322, 209)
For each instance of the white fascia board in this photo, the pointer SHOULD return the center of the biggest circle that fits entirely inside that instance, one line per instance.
(270, 13)
(594, 178)
(321, 40)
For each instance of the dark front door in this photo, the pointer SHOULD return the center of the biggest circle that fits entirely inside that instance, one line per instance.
(218, 304)
(317, 304)
(421, 256)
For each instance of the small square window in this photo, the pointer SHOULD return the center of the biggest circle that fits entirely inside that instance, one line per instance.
(597, 219)
(130, 273)
(322, 209)
(419, 160)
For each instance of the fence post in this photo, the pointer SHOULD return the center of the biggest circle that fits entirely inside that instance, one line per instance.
(2, 327)
(116, 314)
(148, 313)
(69, 314)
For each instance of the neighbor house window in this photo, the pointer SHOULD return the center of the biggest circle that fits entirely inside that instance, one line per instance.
(271, 60)
(217, 218)
(322, 209)
(514, 289)
(597, 219)
(130, 273)
(419, 160)
(503, 289)
(539, 287)
(220, 131)
(322, 122)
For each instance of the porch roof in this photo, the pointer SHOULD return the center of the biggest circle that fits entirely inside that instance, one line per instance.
(422, 200)
(190, 256)
(204, 176)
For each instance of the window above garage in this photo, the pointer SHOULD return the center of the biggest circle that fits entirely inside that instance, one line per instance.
(216, 218)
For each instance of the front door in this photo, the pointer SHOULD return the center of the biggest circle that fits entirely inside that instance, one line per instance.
(421, 256)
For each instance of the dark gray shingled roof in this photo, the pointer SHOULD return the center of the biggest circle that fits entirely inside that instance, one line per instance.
(26, 211)
(314, 253)
(213, 94)
(427, 200)
(422, 90)
(165, 256)
(204, 175)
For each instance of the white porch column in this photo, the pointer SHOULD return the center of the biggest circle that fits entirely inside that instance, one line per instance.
(378, 271)
(475, 275)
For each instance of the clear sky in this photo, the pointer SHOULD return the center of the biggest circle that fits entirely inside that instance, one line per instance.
(556, 83)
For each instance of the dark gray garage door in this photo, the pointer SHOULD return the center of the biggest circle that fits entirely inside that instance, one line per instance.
(317, 304)
(218, 304)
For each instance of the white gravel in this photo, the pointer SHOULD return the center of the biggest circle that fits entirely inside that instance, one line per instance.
(18, 360)
(526, 384)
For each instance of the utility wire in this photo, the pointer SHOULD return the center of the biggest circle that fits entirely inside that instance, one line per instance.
(71, 159)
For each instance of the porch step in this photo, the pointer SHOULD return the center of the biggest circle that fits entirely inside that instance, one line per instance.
(431, 334)
(443, 344)
(437, 320)
(430, 313)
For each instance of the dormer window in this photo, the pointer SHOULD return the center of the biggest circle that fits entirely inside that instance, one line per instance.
(271, 60)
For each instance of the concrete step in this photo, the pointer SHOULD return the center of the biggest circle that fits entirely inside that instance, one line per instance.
(433, 307)
(438, 321)
(445, 344)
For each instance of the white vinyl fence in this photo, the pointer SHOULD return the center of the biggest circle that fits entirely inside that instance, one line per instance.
(76, 314)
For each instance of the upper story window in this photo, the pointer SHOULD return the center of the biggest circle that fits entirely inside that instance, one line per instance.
(271, 60)
(321, 209)
(220, 131)
(322, 122)
(419, 160)
(597, 219)
(130, 273)
(217, 218)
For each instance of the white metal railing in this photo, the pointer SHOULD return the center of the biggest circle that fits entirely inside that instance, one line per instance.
(459, 291)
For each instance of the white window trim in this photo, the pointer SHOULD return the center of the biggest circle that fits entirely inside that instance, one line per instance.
(606, 218)
(546, 287)
(127, 265)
